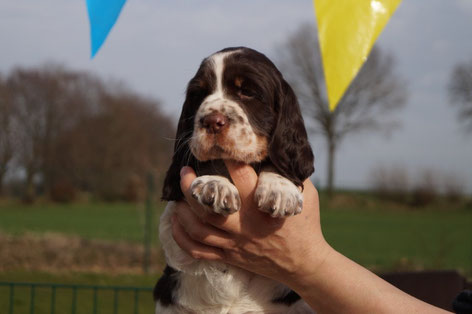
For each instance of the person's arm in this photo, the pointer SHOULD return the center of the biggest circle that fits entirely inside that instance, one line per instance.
(291, 250)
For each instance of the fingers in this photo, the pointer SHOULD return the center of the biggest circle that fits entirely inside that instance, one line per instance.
(192, 247)
(187, 175)
(202, 251)
(200, 231)
(244, 178)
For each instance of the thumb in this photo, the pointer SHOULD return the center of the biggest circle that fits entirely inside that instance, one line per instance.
(244, 178)
(187, 175)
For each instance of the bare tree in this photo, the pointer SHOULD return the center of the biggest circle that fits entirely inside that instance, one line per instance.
(118, 145)
(46, 100)
(366, 105)
(6, 149)
(460, 92)
(74, 131)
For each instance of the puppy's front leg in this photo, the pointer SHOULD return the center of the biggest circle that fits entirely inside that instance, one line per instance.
(277, 195)
(217, 194)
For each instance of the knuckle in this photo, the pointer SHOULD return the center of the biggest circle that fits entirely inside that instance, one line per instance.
(175, 232)
(231, 255)
(228, 246)
(204, 216)
(193, 233)
(195, 254)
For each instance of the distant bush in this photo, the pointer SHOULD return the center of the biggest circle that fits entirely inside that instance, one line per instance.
(454, 187)
(135, 189)
(63, 191)
(425, 190)
(390, 183)
(395, 183)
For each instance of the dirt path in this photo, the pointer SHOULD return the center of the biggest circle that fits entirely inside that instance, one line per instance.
(52, 252)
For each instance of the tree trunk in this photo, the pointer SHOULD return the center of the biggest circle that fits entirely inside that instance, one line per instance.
(331, 159)
(29, 193)
(2, 175)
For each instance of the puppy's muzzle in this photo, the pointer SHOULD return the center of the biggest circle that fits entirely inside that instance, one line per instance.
(214, 122)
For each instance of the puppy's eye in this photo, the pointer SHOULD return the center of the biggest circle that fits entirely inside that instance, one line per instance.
(198, 92)
(242, 89)
(245, 92)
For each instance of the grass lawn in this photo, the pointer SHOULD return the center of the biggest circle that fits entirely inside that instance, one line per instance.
(108, 221)
(375, 234)
(84, 298)
(406, 240)
(389, 236)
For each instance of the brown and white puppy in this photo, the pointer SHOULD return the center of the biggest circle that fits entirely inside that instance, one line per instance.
(239, 107)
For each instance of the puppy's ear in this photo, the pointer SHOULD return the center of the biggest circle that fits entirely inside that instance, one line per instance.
(289, 150)
(182, 155)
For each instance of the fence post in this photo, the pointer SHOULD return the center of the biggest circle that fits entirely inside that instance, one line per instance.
(12, 297)
(53, 299)
(74, 300)
(32, 297)
(115, 301)
(95, 300)
(136, 301)
(148, 223)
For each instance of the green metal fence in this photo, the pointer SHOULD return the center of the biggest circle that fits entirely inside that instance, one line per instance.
(42, 298)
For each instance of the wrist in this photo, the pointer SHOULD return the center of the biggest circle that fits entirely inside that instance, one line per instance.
(307, 270)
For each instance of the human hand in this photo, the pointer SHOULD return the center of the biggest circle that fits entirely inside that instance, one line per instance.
(284, 249)
(290, 250)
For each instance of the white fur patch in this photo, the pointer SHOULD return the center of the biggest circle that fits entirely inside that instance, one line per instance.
(277, 195)
(175, 256)
(219, 66)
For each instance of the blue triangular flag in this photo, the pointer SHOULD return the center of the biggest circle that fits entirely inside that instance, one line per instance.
(102, 15)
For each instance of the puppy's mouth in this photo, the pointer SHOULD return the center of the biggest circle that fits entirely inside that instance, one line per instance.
(216, 152)
(207, 146)
(221, 138)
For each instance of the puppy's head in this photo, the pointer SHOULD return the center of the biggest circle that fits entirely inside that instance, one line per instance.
(238, 106)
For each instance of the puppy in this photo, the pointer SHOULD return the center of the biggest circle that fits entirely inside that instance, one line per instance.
(239, 107)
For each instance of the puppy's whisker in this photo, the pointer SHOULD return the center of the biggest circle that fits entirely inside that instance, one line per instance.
(183, 143)
(192, 117)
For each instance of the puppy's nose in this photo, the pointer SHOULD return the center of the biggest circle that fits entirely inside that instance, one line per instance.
(214, 122)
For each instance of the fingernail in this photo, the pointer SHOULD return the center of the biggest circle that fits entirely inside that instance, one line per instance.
(185, 170)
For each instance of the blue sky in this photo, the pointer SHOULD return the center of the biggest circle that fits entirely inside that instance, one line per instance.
(156, 46)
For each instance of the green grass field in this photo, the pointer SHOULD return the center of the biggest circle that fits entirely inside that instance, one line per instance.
(108, 221)
(388, 236)
(105, 301)
(387, 240)
(378, 235)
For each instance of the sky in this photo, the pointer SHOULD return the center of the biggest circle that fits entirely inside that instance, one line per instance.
(157, 45)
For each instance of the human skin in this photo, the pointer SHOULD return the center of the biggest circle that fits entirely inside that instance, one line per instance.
(290, 250)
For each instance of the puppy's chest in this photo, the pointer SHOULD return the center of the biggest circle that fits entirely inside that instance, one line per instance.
(212, 167)
(225, 289)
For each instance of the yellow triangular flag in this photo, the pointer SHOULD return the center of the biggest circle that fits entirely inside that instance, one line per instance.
(347, 31)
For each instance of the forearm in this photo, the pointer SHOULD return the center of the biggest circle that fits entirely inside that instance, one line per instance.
(339, 285)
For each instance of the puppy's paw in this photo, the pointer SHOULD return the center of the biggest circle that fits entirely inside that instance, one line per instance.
(277, 195)
(217, 194)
